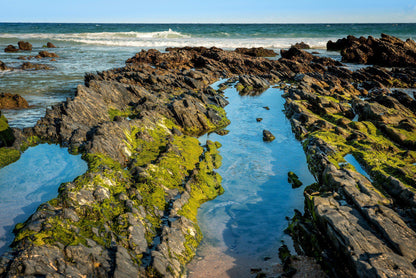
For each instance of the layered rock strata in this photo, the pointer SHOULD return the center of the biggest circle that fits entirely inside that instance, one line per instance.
(134, 212)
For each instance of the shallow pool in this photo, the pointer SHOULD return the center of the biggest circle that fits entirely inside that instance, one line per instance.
(32, 180)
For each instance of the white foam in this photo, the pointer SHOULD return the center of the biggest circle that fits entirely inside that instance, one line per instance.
(169, 38)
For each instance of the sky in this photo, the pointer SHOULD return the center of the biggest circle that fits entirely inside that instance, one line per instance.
(212, 11)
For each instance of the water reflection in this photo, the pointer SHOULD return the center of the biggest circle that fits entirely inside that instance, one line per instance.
(247, 221)
(32, 180)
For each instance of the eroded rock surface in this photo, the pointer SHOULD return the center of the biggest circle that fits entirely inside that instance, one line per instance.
(134, 212)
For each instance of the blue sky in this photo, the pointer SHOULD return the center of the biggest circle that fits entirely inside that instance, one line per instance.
(216, 11)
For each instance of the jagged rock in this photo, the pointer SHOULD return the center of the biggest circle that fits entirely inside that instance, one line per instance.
(26, 46)
(386, 51)
(10, 101)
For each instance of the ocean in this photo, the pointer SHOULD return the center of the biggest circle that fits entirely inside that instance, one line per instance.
(95, 47)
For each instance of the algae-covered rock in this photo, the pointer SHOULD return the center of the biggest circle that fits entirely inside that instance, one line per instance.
(268, 136)
(293, 179)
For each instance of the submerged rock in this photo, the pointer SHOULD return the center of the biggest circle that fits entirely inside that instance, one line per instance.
(3, 66)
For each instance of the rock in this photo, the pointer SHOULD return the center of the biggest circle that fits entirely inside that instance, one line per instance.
(266, 107)
(26, 46)
(11, 48)
(256, 52)
(50, 45)
(3, 66)
(268, 136)
(293, 179)
(30, 66)
(296, 54)
(259, 119)
(387, 51)
(301, 45)
(46, 54)
(10, 101)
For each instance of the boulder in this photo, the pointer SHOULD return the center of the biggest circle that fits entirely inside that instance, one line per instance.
(50, 45)
(10, 101)
(30, 66)
(26, 46)
(46, 54)
(268, 136)
(3, 66)
(11, 48)
(301, 45)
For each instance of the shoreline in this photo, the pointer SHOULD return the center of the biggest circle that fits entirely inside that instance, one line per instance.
(318, 105)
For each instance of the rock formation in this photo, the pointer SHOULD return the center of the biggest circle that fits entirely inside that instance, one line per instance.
(134, 212)
(10, 101)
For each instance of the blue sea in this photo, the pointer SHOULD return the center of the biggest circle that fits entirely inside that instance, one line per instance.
(94, 47)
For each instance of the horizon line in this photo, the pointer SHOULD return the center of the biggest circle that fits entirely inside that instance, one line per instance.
(239, 23)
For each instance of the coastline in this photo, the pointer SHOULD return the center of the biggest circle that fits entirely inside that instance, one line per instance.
(318, 104)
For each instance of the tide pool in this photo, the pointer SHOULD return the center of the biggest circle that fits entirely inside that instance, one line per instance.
(245, 225)
(31, 181)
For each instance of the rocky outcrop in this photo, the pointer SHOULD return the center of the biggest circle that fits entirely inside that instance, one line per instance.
(256, 52)
(365, 227)
(134, 212)
(25, 46)
(11, 48)
(46, 54)
(387, 51)
(10, 101)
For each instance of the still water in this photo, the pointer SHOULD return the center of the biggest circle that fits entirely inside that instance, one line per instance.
(245, 225)
(32, 180)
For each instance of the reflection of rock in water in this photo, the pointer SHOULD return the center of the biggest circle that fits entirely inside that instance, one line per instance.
(245, 224)
(32, 180)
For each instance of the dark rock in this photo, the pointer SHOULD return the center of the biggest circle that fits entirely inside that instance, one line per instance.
(293, 179)
(386, 51)
(50, 45)
(46, 54)
(268, 136)
(26, 46)
(30, 66)
(296, 54)
(259, 119)
(3, 66)
(10, 101)
(266, 107)
(256, 52)
(11, 48)
(301, 45)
